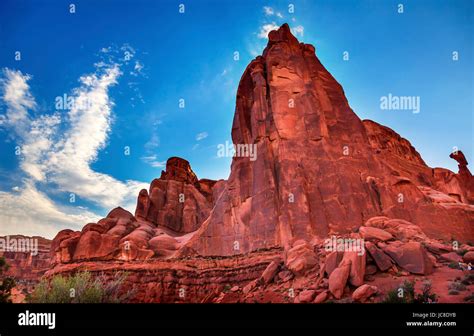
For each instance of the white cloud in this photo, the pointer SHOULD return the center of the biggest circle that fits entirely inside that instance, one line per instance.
(151, 145)
(152, 160)
(154, 141)
(268, 11)
(35, 147)
(265, 29)
(137, 69)
(31, 212)
(18, 99)
(57, 151)
(298, 30)
(201, 136)
(68, 165)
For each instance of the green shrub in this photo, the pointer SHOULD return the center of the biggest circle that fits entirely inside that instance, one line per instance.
(453, 292)
(469, 298)
(426, 296)
(468, 279)
(454, 265)
(407, 294)
(6, 283)
(81, 287)
(457, 286)
(404, 294)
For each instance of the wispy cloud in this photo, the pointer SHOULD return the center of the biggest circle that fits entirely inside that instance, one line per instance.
(30, 212)
(69, 159)
(153, 143)
(18, 100)
(137, 69)
(266, 28)
(57, 151)
(298, 30)
(268, 11)
(153, 161)
(151, 146)
(201, 136)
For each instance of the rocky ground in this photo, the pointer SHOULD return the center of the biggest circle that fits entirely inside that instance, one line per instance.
(395, 251)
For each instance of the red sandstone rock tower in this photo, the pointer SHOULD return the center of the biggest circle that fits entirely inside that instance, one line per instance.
(319, 170)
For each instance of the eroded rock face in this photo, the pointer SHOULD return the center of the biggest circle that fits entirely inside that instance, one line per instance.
(28, 258)
(176, 204)
(177, 200)
(319, 169)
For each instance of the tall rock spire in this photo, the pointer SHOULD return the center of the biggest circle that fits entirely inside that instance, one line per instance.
(316, 172)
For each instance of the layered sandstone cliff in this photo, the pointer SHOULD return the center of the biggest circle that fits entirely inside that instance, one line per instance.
(28, 258)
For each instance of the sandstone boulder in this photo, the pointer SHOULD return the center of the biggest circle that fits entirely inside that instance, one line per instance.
(300, 258)
(271, 271)
(306, 296)
(468, 257)
(321, 297)
(410, 256)
(332, 261)
(364, 292)
(357, 270)
(382, 260)
(436, 247)
(451, 257)
(373, 233)
(339, 277)
(163, 245)
(93, 245)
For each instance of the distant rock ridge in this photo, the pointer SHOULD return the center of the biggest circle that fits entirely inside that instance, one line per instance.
(26, 264)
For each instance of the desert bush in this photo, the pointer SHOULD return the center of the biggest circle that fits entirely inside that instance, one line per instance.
(407, 289)
(454, 265)
(409, 295)
(426, 296)
(468, 279)
(81, 287)
(469, 298)
(457, 286)
(6, 283)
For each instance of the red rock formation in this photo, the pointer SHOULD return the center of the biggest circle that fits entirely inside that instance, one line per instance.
(176, 204)
(177, 200)
(306, 167)
(319, 169)
(26, 264)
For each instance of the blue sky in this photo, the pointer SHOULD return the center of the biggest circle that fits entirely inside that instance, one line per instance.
(77, 155)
